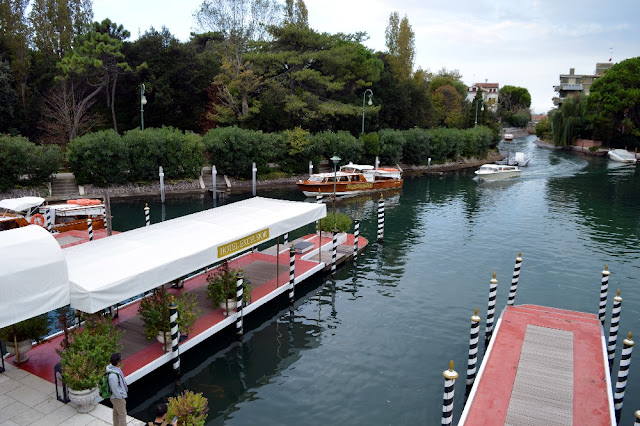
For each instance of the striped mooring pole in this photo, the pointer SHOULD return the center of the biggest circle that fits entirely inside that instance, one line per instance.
(47, 218)
(623, 373)
(450, 377)
(491, 309)
(175, 337)
(613, 328)
(356, 234)
(90, 229)
(239, 305)
(292, 277)
(146, 214)
(319, 197)
(381, 219)
(637, 422)
(473, 348)
(604, 288)
(285, 238)
(334, 251)
(514, 281)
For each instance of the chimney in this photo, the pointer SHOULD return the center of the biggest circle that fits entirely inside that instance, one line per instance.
(486, 81)
(572, 71)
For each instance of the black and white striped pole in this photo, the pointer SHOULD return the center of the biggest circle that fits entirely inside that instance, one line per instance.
(450, 377)
(604, 288)
(491, 309)
(239, 305)
(356, 234)
(514, 280)
(381, 219)
(146, 214)
(473, 348)
(47, 218)
(90, 229)
(637, 422)
(334, 250)
(292, 278)
(613, 328)
(175, 337)
(623, 373)
(285, 238)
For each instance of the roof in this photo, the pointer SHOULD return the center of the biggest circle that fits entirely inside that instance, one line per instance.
(21, 204)
(107, 271)
(33, 277)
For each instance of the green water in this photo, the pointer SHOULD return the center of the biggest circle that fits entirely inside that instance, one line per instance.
(370, 346)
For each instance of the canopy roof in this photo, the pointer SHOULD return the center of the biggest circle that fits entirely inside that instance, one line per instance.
(33, 277)
(21, 204)
(110, 270)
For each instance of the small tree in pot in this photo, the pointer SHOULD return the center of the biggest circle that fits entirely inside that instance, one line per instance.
(23, 333)
(190, 408)
(222, 287)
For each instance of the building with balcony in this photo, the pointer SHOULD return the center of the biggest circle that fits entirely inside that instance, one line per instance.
(489, 93)
(572, 84)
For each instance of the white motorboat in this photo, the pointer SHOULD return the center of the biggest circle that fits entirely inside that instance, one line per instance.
(520, 159)
(622, 156)
(508, 137)
(497, 172)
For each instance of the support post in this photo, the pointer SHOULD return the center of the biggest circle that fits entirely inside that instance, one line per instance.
(285, 238)
(334, 250)
(47, 218)
(239, 305)
(623, 373)
(381, 219)
(254, 177)
(292, 277)
(147, 219)
(377, 163)
(356, 234)
(90, 229)
(613, 328)
(491, 309)
(310, 167)
(107, 213)
(319, 197)
(604, 288)
(429, 166)
(514, 281)
(175, 337)
(473, 348)
(450, 377)
(161, 174)
(2, 367)
(214, 186)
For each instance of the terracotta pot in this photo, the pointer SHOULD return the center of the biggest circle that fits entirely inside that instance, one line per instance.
(85, 400)
(24, 346)
(231, 304)
(161, 337)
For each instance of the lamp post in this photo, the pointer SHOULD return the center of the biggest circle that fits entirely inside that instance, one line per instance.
(363, 105)
(482, 109)
(143, 102)
(335, 160)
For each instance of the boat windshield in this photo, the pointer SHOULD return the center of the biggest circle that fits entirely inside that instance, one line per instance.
(315, 178)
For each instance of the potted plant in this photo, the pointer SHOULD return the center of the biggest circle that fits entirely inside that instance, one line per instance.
(190, 408)
(154, 311)
(339, 221)
(84, 358)
(24, 333)
(222, 288)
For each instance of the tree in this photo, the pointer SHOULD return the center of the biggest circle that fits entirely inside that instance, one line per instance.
(613, 104)
(447, 103)
(568, 121)
(513, 105)
(400, 41)
(14, 29)
(7, 96)
(296, 13)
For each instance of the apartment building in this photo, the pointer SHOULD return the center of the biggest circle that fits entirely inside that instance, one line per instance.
(572, 84)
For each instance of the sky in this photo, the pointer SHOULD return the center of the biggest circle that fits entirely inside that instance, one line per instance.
(510, 42)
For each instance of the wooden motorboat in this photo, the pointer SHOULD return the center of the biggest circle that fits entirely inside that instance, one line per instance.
(352, 179)
(497, 171)
(72, 215)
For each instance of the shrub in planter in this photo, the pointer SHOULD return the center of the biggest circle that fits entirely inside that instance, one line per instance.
(33, 328)
(190, 408)
(341, 221)
(221, 285)
(154, 311)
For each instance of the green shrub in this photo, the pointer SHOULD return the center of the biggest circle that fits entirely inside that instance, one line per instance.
(295, 150)
(371, 147)
(190, 408)
(19, 158)
(391, 143)
(341, 221)
(416, 149)
(99, 158)
(46, 161)
(543, 130)
(154, 312)
(33, 328)
(342, 143)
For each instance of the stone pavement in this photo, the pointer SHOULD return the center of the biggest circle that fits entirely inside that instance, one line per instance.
(26, 399)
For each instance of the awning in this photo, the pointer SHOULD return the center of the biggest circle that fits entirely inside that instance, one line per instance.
(33, 277)
(21, 204)
(110, 270)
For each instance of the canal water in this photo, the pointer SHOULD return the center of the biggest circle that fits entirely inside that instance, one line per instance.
(370, 346)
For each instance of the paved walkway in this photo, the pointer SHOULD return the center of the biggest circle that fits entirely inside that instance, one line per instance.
(26, 399)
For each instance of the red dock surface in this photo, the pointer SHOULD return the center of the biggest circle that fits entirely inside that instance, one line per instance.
(499, 397)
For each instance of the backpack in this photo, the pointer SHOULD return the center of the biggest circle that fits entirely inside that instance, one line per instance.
(103, 385)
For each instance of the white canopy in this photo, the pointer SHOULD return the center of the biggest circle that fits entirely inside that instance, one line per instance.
(110, 270)
(33, 277)
(21, 204)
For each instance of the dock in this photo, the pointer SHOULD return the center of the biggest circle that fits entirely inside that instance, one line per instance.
(543, 366)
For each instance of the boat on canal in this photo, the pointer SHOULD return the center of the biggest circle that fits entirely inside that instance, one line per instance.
(497, 172)
(352, 179)
(622, 156)
(508, 137)
(520, 159)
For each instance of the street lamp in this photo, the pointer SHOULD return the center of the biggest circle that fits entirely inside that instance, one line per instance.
(370, 103)
(482, 109)
(143, 102)
(335, 160)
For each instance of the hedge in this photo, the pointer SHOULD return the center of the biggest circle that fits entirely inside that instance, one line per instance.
(99, 158)
(20, 159)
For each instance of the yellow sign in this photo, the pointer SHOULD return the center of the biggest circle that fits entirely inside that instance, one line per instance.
(243, 243)
(360, 186)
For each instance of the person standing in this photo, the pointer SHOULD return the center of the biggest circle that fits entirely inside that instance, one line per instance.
(118, 387)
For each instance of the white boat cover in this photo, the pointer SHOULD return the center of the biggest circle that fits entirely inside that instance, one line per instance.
(110, 270)
(33, 277)
(21, 204)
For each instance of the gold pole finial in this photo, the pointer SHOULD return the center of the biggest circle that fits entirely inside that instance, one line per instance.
(451, 365)
(618, 292)
(494, 275)
(520, 254)
(476, 312)
(606, 267)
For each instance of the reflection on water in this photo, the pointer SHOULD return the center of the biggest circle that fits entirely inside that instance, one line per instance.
(370, 346)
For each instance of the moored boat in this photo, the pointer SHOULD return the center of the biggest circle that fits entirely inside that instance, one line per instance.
(497, 171)
(352, 179)
(622, 156)
(508, 137)
(72, 215)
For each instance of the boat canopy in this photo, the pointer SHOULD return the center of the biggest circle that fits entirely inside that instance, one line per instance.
(110, 270)
(33, 277)
(21, 204)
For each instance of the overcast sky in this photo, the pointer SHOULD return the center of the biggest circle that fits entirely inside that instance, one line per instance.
(509, 42)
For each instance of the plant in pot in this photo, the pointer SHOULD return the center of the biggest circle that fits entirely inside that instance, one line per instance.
(340, 221)
(154, 312)
(222, 288)
(190, 408)
(84, 358)
(22, 334)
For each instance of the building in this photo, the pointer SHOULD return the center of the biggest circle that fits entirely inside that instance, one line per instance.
(572, 84)
(489, 93)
